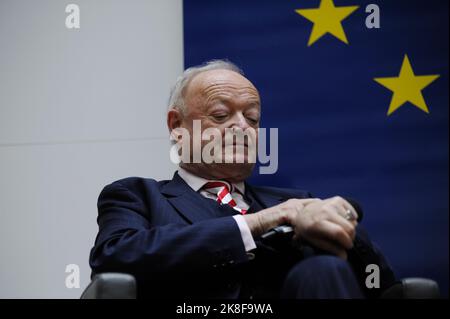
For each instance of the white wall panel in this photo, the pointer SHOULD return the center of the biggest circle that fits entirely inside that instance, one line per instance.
(78, 109)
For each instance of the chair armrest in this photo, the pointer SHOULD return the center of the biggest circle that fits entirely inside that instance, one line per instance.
(111, 286)
(413, 288)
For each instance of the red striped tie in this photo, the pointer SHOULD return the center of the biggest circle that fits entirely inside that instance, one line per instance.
(222, 191)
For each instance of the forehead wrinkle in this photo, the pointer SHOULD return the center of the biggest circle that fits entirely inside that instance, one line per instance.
(226, 90)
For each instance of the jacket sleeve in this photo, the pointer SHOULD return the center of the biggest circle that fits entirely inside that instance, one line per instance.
(128, 242)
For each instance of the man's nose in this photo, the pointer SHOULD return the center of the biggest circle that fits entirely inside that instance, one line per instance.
(239, 121)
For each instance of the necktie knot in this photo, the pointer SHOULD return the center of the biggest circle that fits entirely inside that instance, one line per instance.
(217, 184)
(223, 192)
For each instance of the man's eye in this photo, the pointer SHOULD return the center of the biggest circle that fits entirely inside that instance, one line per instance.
(220, 117)
(252, 120)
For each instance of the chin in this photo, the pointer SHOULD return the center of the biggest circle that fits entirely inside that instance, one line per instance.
(234, 172)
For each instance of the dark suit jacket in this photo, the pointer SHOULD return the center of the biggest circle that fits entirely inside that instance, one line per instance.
(179, 244)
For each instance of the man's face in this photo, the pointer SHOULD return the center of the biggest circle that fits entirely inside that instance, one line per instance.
(222, 99)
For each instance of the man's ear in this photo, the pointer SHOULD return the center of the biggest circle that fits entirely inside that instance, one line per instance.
(174, 119)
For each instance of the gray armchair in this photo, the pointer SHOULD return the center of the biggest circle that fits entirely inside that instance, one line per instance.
(111, 286)
(123, 286)
(413, 288)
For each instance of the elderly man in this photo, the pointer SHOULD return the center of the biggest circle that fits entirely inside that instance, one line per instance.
(200, 234)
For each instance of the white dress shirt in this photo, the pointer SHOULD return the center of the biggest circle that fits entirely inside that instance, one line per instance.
(196, 183)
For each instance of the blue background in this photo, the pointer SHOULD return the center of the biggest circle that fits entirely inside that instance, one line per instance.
(334, 134)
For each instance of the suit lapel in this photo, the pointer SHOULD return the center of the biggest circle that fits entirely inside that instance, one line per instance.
(192, 205)
(264, 199)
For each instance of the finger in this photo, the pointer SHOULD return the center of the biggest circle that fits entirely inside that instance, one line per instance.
(335, 233)
(336, 217)
(348, 206)
(340, 209)
(344, 212)
(341, 202)
(329, 247)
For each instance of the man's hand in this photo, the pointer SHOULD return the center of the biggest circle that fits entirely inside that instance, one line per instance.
(320, 222)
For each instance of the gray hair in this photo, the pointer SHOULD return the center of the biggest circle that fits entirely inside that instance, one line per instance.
(178, 92)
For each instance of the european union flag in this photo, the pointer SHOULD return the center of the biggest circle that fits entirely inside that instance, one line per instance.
(359, 93)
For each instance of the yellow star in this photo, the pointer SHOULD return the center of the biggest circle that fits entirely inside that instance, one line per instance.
(407, 87)
(327, 19)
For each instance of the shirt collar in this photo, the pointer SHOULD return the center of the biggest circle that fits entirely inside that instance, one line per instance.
(196, 182)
